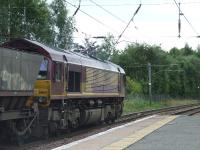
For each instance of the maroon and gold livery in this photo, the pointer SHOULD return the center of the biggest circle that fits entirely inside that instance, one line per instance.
(73, 89)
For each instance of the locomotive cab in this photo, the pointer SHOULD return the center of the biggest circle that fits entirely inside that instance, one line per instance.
(43, 84)
(43, 72)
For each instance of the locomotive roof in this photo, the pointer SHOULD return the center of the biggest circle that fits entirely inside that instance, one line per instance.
(62, 55)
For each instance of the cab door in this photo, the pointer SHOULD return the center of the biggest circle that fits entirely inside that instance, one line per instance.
(66, 79)
(58, 79)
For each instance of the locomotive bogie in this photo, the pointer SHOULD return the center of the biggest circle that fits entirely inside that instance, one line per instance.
(73, 114)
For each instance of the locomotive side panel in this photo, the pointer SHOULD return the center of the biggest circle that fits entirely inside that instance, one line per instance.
(101, 81)
(122, 85)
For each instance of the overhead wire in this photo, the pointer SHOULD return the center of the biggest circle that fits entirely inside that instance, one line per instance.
(103, 24)
(154, 65)
(100, 22)
(133, 4)
(167, 70)
(124, 4)
(118, 18)
(129, 23)
(113, 15)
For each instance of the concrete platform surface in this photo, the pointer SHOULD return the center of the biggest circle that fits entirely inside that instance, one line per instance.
(107, 139)
(183, 133)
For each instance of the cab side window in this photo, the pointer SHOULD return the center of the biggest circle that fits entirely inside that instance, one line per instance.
(43, 70)
(58, 71)
(74, 81)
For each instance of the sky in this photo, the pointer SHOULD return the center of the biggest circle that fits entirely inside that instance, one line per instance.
(155, 23)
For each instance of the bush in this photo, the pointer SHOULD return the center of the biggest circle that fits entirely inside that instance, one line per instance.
(133, 87)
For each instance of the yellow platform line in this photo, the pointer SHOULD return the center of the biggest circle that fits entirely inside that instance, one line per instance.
(127, 141)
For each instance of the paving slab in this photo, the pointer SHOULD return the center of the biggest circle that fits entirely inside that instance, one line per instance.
(183, 133)
(104, 139)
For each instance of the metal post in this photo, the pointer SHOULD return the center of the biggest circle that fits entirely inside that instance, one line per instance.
(9, 22)
(179, 21)
(149, 78)
(24, 20)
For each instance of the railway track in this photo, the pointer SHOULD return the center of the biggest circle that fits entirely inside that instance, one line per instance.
(174, 110)
(189, 112)
(87, 131)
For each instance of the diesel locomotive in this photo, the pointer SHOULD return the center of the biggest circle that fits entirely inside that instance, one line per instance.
(56, 89)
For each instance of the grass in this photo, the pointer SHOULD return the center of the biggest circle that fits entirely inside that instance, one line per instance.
(134, 105)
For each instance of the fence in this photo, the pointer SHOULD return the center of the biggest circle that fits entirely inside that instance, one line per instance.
(161, 97)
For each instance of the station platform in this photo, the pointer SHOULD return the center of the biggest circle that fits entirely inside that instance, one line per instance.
(130, 135)
(183, 133)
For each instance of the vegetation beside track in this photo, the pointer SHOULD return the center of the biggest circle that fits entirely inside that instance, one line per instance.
(135, 105)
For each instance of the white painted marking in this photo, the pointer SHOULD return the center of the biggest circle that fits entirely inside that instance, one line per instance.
(64, 147)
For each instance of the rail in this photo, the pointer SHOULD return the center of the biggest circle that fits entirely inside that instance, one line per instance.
(174, 110)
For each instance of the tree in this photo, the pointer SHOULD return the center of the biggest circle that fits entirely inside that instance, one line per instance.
(198, 51)
(133, 87)
(174, 73)
(175, 52)
(63, 25)
(33, 19)
(102, 51)
(89, 48)
(187, 50)
(107, 48)
(25, 19)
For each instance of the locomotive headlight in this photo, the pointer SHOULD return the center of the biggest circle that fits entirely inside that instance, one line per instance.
(42, 99)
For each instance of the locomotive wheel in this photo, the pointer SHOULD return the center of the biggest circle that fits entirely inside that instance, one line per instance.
(53, 129)
(109, 119)
(20, 131)
(45, 132)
